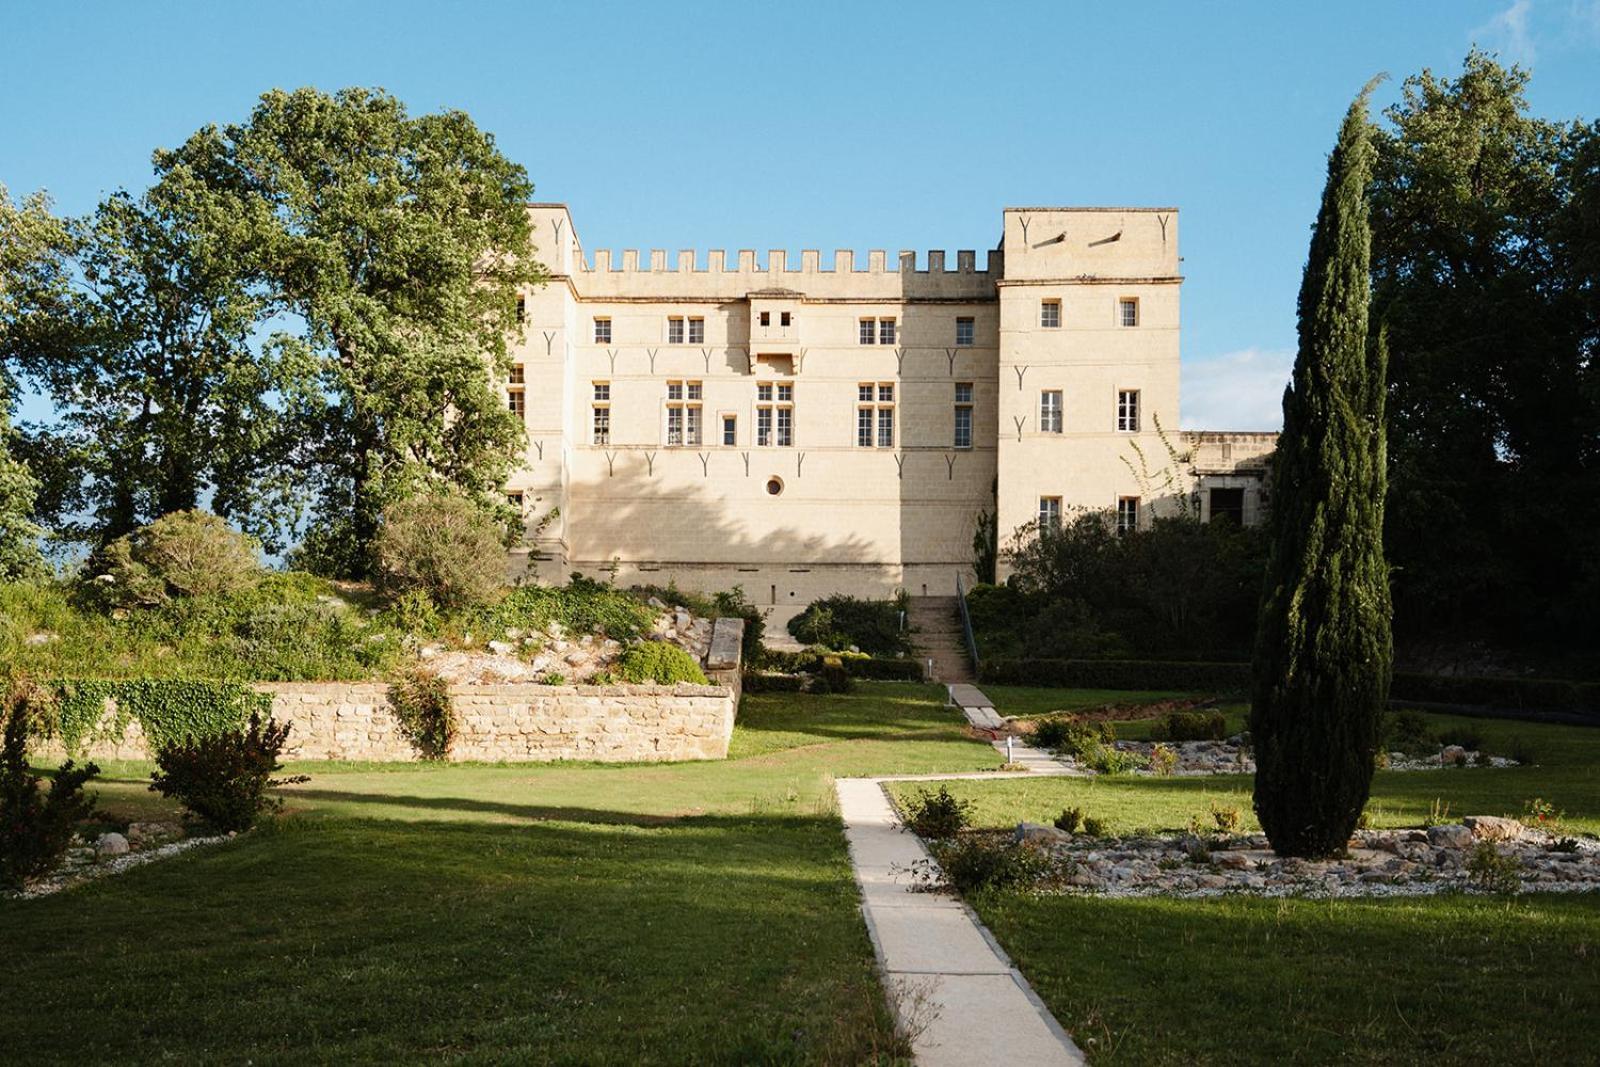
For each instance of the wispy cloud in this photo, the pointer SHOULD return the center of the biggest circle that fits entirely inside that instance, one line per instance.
(1236, 391)
(1585, 17)
(1508, 33)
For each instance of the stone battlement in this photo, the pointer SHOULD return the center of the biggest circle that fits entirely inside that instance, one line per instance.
(745, 261)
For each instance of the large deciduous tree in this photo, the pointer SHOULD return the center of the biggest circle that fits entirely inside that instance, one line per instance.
(163, 396)
(1323, 648)
(401, 243)
(35, 248)
(1485, 274)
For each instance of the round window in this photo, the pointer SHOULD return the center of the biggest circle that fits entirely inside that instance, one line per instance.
(774, 486)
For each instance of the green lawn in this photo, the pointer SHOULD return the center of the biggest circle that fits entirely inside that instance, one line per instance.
(1448, 979)
(547, 914)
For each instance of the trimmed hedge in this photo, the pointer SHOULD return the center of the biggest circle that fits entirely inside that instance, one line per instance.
(1497, 692)
(1529, 693)
(869, 668)
(1118, 674)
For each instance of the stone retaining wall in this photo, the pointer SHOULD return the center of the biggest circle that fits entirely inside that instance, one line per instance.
(502, 723)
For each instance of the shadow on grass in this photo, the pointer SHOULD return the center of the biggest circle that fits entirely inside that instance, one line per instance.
(528, 812)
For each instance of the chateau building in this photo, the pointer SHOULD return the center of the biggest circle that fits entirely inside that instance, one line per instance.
(802, 429)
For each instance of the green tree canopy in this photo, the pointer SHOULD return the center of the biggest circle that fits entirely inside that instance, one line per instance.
(401, 243)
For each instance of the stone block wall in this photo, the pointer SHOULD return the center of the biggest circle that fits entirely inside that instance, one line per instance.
(497, 723)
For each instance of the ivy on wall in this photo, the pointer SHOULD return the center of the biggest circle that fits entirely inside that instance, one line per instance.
(167, 709)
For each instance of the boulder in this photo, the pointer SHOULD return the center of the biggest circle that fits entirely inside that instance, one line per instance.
(1450, 836)
(112, 844)
(1453, 754)
(1038, 833)
(1493, 827)
(502, 648)
(1233, 861)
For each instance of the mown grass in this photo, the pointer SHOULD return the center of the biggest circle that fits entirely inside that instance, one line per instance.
(1029, 701)
(1447, 979)
(1437, 980)
(1566, 772)
(544, 914)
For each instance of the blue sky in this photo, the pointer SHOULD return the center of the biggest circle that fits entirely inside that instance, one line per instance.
(822, 125)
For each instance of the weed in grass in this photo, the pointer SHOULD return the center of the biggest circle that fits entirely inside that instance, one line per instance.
(1438, 813)
(1094, 827)
(1069, 820)
(1224, 819)
(1489, 869)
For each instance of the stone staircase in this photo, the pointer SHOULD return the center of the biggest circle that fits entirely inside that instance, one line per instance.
(936, 631)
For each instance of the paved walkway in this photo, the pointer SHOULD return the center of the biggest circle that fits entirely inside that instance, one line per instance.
(979, 711)
(953, 988)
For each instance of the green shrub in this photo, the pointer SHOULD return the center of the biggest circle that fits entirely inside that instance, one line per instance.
(421, 703)
(186, 554)
(830, 677)
(659, 662)
(1163, 761)
(582, 606)
(1108, 759)
(1069, 820)
(838, 623)
(442, 545)
(760, 682)
(1552, 693)
(977, 863)
(937, 815)
(1094, 827)
(35, 827)
(1073, 737)
(1193, 726)
(1489, 870)
(224, 778)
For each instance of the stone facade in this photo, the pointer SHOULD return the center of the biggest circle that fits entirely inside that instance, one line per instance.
(809, 428)
(498, 723)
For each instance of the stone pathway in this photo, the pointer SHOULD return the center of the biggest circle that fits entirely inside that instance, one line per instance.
(952, 987)
(979, 711)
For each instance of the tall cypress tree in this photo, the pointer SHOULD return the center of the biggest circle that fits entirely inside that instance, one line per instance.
(1323, 646)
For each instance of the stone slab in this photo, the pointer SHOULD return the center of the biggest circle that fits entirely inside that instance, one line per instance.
(981, 1019)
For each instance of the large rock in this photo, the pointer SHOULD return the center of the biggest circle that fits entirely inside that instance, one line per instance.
(1493, 827)
(1450, 836)
(1038, 833)
(112, 844)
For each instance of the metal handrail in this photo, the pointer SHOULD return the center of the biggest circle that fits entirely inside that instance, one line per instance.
(966, 624)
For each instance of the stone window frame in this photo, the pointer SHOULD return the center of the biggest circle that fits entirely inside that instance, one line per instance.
(1050, 313)
(867, 331)
(1052, 419)
(683, 425)
(697, 330)
(602, 329)
(1049, 514)
(963, 407)
(875, 404)
(887, 327)
(1128, 311)
(775, 414)
(517, 402)
(966, 331)
(1127, 514)
(1128, 404)
(729, 427)
(600, 419)
(675, 331)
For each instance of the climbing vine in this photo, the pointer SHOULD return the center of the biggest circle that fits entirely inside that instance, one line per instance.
(167, 709)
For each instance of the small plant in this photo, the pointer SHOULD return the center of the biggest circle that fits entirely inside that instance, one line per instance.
(979, 863)
(553, 678)
(1522, 751)
(1163, 761)
(1468, 737)
(1407, 731)
(936, 816)
(1073, 737)
(35, 827)
(1491, 871)
(1094, 827)
(660, 662)
(1364, 820)
(1481, 759)
(1438, 813)
(1225, 819)
(1193, 726)
(1542, 815)
(1069, 820)
(1564, 844)
(420, 701)
(1105, 759)
(224, 778)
